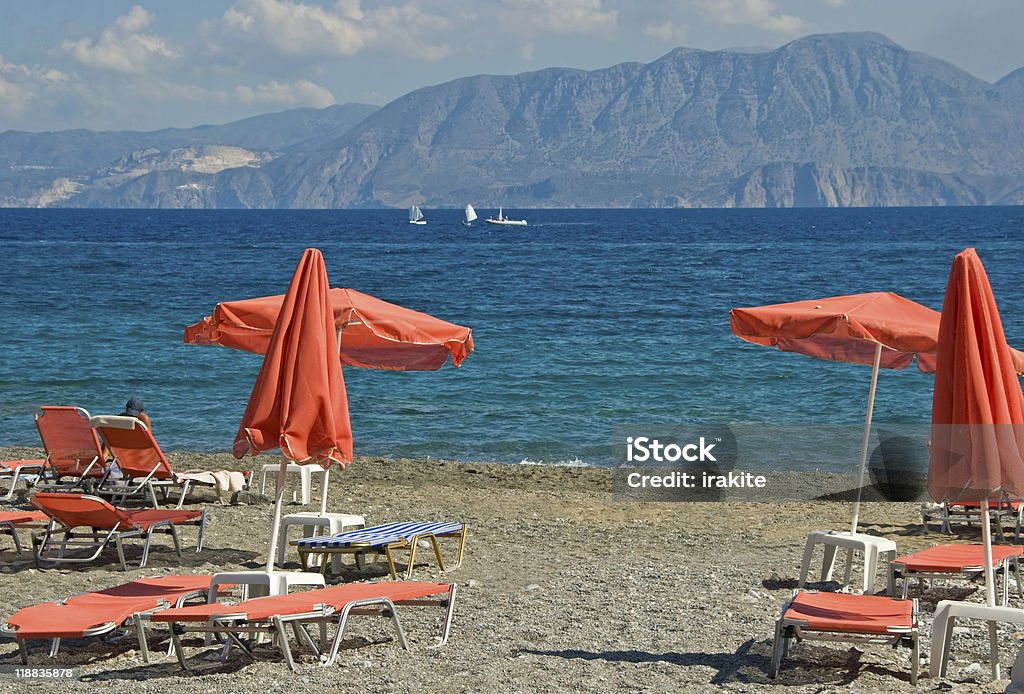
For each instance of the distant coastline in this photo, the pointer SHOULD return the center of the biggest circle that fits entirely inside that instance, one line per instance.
(760, 130)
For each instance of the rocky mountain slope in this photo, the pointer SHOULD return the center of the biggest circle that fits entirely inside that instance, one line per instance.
(828, 120)
(849, 119)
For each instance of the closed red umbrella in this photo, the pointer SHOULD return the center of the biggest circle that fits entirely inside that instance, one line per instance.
(977, 408)
(298, 402)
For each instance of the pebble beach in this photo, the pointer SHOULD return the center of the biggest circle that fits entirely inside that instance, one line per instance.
(561, 588)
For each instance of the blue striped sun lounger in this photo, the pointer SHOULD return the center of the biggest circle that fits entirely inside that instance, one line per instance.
(384, 539)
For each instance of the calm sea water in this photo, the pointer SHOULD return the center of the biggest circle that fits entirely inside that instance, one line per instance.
(584, 321)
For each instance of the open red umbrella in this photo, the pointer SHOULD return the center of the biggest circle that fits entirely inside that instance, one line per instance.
(372, 333)
(298, 402)
(879, 328)
(977, 408)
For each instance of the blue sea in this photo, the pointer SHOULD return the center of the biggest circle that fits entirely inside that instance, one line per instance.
(584, 321)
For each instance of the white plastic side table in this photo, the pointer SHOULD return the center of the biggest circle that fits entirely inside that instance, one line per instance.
(310, 522)
(260, 583)
(305, 473)
(872, 547)
(946, 613)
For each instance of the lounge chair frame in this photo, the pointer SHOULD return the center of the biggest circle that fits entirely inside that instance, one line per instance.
(11, 527)
(52, 544)
(787, 629)
(950, 512)
(26, 471)
(386, 546)
(231, 626)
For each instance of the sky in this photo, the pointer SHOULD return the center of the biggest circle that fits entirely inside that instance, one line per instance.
(150, 64)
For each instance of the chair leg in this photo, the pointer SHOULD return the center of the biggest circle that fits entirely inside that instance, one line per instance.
(449, 616)
(178, 648)
(777, 646)
(174, 536)
(17, 542)
(140, 633)
(398, 623)
(282, 634)
(437, 552)
(993, 635)
(947, 644)
(202, 532)
(184, 492)
(120, 552)
(391, 562)
(1016, 576)
(461, 548)
(412, 558)
(915, 657)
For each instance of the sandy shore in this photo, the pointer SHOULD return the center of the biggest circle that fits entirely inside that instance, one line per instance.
(561, 588)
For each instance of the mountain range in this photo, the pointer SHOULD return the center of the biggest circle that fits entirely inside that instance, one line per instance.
(827, 120)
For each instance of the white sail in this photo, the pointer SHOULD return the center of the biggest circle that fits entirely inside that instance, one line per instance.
(470, 214)
(415, 215)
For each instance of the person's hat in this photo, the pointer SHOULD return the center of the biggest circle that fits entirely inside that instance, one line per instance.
(134, 407)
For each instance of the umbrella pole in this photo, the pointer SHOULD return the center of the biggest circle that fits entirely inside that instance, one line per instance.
(986, 539)
(866, 438)
(276, 525)
(990, 583)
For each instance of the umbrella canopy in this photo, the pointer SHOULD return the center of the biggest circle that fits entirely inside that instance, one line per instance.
(846, 328)
(879, 328)
(977, 407)
(298, 402)
(372, 333)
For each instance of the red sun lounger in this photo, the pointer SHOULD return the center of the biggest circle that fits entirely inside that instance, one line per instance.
(969, 513)
(19, 471)
(140, 459)
(94, 614)
(956, 561)
(844, 617)
(144, 465)
(104, 523)
(73, 453)
(320, 606)
(10, 521)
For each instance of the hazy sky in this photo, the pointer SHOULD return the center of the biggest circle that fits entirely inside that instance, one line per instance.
(108, 64)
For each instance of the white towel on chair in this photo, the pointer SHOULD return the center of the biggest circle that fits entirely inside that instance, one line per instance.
(229, 481)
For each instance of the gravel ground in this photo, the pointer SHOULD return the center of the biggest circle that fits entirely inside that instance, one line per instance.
(561, 588)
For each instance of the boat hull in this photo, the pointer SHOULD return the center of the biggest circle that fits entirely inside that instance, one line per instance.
(507, 222)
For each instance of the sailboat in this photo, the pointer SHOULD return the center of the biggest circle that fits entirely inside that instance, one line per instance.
(470, 215)
(416, 216)
(505, 221)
